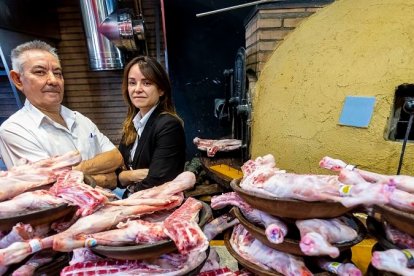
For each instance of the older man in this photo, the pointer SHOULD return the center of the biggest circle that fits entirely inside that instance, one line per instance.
(43, 127)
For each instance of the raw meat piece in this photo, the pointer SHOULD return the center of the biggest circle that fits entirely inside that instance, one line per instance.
(218, 225)
(341, 269)
(34, 175)
(403, 182)
(167, 264)
(3, 269)
(38, 259)
(212, 262)
(394, 260)
(213, 146)
(225, 271)
(71, 188)
(19, 232)
(66, 241)
(39, 199)
(276, 230)
(182, 227)
(130, 232)
(105, 218)
(82, 255)
(182, 182)
(399, 199)
(58, 162)
(269, 181)
(318, 235)
(400, 239)
(15, 183)
(255, 252)
(265, 162)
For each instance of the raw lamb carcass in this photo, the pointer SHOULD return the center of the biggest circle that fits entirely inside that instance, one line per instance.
(341, 269)
(167, 264)
(400, 239)
(19, 232)
(27, 201)
(213, 146)
(402, 182)
(393, 260)
(255, 252)
(267, 180)
(318, 235)
(70, 187)
(276, 229)
(130, 232)
(182, 227)
(394, 197)
(34, 175)
(103, 219)
(218, 225)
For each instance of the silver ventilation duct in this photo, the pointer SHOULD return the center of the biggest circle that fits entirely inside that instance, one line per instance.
(103, 55)
(123, 30)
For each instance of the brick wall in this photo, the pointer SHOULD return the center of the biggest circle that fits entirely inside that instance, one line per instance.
(268, 25)
(97, 94)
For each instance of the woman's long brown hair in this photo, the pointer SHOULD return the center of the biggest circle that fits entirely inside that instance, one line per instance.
(154, 72)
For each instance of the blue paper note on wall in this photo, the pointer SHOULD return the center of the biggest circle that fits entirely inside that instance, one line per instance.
(357, 111)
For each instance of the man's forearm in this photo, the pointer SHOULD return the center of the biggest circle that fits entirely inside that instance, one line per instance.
(106, 162)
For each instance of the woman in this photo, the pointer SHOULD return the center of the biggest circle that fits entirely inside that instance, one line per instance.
(153, 141)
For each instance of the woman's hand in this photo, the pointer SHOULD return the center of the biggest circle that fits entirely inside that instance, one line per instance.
(128, 177)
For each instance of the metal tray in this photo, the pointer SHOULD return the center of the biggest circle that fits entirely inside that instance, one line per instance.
(145, 251)
(402, 220)
(290, 208)
(37, 217)
(291, 242)
(42, 216)
(257, 270)
(376, 229)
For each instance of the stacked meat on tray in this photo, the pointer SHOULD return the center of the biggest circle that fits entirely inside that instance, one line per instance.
(126, 232)
(286, 218)
(391, 220)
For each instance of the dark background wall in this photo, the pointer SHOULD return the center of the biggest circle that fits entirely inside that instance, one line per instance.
(199, 50)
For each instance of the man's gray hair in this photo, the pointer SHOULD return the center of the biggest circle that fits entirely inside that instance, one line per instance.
(16, 53)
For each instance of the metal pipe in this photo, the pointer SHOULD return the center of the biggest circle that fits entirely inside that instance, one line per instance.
(236, 7)
(103, 55)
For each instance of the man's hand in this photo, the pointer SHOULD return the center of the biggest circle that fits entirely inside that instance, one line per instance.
(107, 180)
(128, 177)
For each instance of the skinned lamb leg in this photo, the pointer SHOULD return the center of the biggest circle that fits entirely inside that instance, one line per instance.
(396, 198)
(38, 199)
(318, 235)
(394, 260)
(66, 241)
(103, 219)
(254, 251)
(18, 251)
(341, 269)
(276, 229)
(130, 232)
(218, 225)
(20, 232)
(182, 182)
(402, 182)
(315, 188)
(38, 259)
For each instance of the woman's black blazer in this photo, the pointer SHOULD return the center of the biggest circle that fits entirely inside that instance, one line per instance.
(161, 149)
